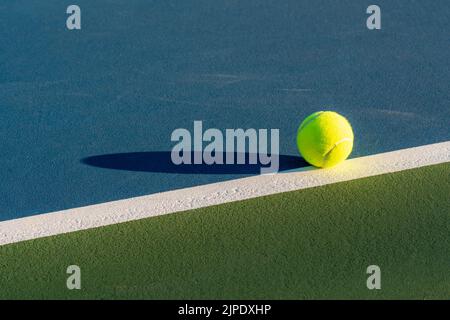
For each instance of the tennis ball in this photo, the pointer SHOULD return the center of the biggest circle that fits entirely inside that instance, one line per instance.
(325, 138)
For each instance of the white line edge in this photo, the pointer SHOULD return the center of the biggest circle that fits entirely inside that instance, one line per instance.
(108, 213)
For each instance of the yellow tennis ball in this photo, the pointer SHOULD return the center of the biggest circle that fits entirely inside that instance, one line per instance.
(325, 138)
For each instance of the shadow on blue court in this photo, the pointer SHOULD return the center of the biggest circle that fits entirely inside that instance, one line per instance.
(160, 161)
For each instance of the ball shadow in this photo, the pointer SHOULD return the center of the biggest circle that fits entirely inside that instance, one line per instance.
(160, 161)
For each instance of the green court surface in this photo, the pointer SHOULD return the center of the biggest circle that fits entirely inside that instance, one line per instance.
(313, 243)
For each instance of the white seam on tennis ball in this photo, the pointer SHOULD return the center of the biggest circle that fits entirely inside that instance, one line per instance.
(333, 147)
(309, 121)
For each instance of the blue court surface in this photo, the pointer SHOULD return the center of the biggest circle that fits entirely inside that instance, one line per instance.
(86, 115)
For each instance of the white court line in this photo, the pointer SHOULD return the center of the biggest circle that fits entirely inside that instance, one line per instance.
(202, 196)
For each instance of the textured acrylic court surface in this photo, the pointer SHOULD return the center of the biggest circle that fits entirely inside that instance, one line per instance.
(139, 69)
(312, 243)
